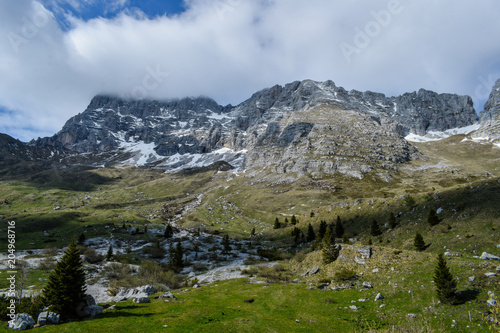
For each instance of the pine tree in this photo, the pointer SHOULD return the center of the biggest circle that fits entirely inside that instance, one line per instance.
(432, 218)
(330, 250)
(392, 221)
(66, 287)
(226, 244)
(178, 255)
(446, 285)
(339, 228)
(109, 255)
(312, 214)
(296, 235)
(81, 239)
(310, 233)
(286, 220)
(375, 229)
(277, 224)
(419, 242)
(293, 220)
(169, 231)
(252, 233)
(322, 230)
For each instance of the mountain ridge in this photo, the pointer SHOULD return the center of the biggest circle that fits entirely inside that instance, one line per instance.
(321, 128)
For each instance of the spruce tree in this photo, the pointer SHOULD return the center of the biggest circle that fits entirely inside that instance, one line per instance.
(178, 255)
(169, 231)
(312, 214)
(286, 221)
(81, 239)
(296, 235)
(339, 228)
(419, 242)
(330, 250)
(375, 229)
(252, 233)
(432, 218)
(277, 224)
(65, 288)
(310, 233)
(226, 244)
(446, 285)
(293, 220)
(109, 255)
(322, 230)
(392, 221)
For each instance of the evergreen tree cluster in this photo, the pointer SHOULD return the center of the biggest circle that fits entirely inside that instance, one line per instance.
(330, 250)
(278, 224)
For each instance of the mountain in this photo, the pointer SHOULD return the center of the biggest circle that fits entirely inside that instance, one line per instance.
(304, 127)
(490, 119)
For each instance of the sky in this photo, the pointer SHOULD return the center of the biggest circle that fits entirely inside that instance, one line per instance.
(55, 55)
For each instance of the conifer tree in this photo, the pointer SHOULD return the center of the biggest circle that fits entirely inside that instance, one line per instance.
(293, 220)
(277, 224)
(339, 228)
(432, 218)
(392, 221)
(109, 255)
(252, 233)
(226, 244)
(169, 231)
(419, 242)
(296, 235)
(446, 285)
(66, 287)
(310, 233)
(330, 250)
(312, 214)
(322, 230)
(286, 220)
(178, 255)
(375, 229)
(81, 239)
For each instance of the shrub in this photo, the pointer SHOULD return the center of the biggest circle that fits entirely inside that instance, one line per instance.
(90, 255)
(345, 275)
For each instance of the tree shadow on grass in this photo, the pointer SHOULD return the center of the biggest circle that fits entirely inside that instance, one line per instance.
(467, 295)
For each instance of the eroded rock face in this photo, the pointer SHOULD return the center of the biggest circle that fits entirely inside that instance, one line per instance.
(490, 118)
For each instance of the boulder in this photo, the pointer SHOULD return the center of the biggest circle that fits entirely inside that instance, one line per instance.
(379, 296)
(490, 274)
(89, 300)
(92, 311)
(367, 285)
(167, 295)
(142, 299)
(353, 307)
(22, 321)
(487, 256)
(365, 252)
(311, 271)
(147, 289)
(48, 318)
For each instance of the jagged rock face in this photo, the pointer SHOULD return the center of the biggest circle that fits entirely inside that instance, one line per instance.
(304, 127)
(490, 118)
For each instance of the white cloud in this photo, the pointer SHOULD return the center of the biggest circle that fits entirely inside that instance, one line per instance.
(228, 49)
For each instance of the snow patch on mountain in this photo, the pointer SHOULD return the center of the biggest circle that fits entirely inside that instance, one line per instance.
(437, 135)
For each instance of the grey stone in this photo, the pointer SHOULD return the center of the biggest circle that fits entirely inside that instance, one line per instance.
(342, 286)
(311, 271)
(89, 300)
(167, 295)
(22, 321)
(48, 318)
(379, 297)
(148, 289)
(353, 307)
(472, 278)
(92, 310)
(142, 299)
(367, 285)
(491, 302)
(490, 274)
(365, 252)
(487, 256)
